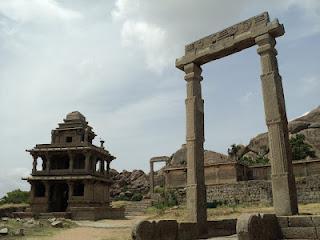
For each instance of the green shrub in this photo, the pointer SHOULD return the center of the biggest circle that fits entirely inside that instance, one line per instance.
(214, 204)
(158, 189)
(137, 197)
(167, 199)
(15, 196)
(300, 149)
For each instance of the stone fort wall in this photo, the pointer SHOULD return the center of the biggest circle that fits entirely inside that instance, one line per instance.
(258, 191)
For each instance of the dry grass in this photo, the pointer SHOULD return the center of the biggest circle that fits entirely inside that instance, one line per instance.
(227, 212)
(10, 205)
(118, 204)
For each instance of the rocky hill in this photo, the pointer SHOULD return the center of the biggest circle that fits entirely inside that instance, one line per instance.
(126, 183)
(307, 125)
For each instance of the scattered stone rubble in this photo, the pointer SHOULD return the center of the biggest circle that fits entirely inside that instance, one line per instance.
(128, 183)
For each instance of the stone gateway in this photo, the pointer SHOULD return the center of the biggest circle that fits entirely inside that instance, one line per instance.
(259, 31)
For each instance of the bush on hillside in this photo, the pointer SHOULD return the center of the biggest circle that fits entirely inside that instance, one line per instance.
(15, 196)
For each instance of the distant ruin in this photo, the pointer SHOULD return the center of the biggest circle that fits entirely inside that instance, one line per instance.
(71, 176)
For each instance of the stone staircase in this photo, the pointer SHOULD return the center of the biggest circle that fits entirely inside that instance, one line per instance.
(137, 208)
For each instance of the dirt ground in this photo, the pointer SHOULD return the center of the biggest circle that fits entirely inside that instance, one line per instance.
(121, 229)
(98, 230)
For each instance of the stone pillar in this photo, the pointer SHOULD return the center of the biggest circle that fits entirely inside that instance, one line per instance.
(87, 161)
(108, 168)
(196, 190)
(47, 189)
(70, 186)
(151, 178)
(102, 166)
(70, 161)
(32, 192)
(47, 162)
(283, 182)
(34, 163)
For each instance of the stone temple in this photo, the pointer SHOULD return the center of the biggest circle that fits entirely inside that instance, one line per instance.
(70, 176)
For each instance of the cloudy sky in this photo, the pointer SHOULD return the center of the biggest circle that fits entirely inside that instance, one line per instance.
(114, 62)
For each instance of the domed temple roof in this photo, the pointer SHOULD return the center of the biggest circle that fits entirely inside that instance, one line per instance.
(76, 115)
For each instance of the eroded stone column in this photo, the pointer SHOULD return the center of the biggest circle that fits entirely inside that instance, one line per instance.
(196, 191)
(283, 182)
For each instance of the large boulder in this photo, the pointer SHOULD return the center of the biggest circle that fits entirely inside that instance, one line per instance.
(307, 125)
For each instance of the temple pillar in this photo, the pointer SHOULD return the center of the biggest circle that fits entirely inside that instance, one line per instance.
(87, 161)
(34, 163)
(283, 182)
(151, 178)
(47, 162)
(102, 167)
(108, 169)
(70, 161)
(32, 192)
(196, 190)
(70, 186)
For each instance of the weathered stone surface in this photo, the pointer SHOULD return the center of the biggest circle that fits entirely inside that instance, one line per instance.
(187, 231)
(256, 226)
(249, 227)
(229, 40)
(283, 221)
(300, 221)
(299, 233)
(316, 221)
(144, 230)
(166, 230)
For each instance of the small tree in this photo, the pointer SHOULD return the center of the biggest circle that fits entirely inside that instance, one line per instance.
(300, 149)
(233, 151)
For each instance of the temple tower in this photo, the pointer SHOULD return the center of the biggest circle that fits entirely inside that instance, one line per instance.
(71, 174)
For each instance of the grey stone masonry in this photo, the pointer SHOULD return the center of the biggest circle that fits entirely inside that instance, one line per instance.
(283, 184)
(196, 191)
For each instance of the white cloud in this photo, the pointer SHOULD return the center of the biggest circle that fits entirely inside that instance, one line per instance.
(23, 11)
(151, 40)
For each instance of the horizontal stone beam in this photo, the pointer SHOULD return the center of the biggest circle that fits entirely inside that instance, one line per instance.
(230, 40)
(160, 159)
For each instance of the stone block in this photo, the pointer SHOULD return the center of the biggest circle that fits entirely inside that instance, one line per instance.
(300, 221)
(221, 228)
(316, 221)
(270, 227)
(283, 221)
(166, 230)
(187, 231)
(299, 233)
(144, 230)
(249, 227)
